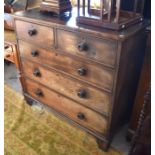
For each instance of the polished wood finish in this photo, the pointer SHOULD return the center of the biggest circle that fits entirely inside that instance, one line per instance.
(36, 33)
(131, 60)
(96, 75)
(86, 72)
(99, 50)
(70, 108)
(92, 98)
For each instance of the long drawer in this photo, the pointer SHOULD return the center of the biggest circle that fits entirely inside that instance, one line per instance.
(38, 34)
(74, 111)
(93, 74)
(74, 89)
(99, 50)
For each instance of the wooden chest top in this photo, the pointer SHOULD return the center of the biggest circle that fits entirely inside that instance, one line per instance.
(45, 18)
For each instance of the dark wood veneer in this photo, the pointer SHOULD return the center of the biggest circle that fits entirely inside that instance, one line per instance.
(114, 69)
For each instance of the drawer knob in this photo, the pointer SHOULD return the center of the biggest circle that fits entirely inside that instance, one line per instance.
(83, 46)
(34, 53)
(82, 93)
(37, 73)
(82, 71)
(39, 93)
(80, 116)
(32, 32)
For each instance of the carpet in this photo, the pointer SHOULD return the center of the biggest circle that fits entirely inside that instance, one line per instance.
(35, 131)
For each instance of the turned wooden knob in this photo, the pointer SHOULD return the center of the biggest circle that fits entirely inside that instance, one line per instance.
(37, 73)
(83, 46)
(80, 116)
(39, 93)
(32, 32)
(82, 93)
(34, 53)
(82, 71)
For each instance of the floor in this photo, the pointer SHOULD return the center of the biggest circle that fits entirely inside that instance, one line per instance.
(11, 78)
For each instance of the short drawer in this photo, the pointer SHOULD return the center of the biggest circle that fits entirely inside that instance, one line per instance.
(71, 109)
(99, 50)
(93, 74)
(38, 34)
(71, 88)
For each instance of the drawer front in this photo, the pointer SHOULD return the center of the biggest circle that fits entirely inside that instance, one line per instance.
(93, 74)
(76, 112)
(40, 35)
(99, 50)
(71, 88)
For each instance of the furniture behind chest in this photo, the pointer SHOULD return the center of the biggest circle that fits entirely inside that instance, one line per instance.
(10, 44)
(10, 48)
(144, 82)
(86, 75)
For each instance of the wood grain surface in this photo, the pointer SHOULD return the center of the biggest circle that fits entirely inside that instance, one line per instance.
(99, 50)
(42, 35)
(94, 98)
(95, 74)
(68, 107)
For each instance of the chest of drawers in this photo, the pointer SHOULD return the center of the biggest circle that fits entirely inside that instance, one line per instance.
(86, 75)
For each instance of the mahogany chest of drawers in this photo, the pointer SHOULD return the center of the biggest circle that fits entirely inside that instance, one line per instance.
(86, 75)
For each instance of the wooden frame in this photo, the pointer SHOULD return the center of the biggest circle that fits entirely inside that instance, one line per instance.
(113, 18)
